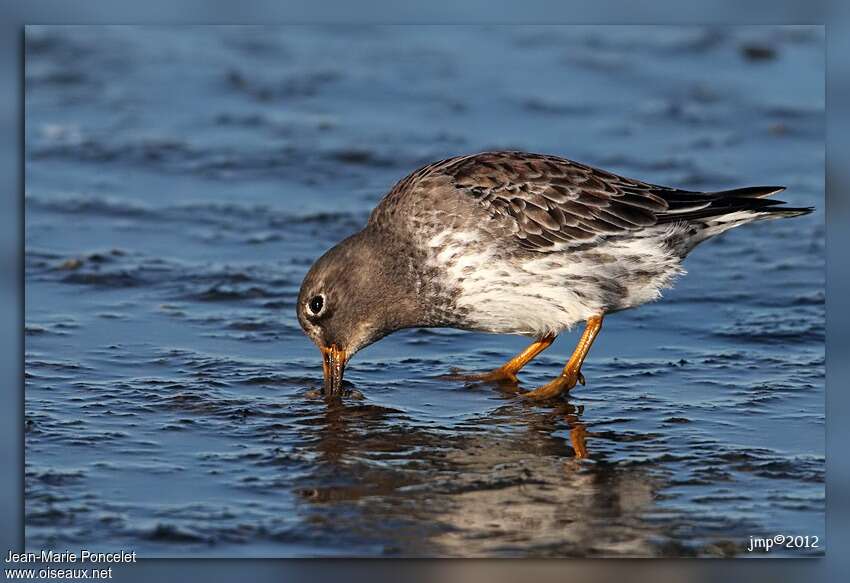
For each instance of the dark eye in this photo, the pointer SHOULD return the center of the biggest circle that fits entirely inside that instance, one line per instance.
(316, 304)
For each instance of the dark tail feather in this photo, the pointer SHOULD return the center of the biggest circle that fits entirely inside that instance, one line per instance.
(708, 206)
(772, 207)
(713, 213)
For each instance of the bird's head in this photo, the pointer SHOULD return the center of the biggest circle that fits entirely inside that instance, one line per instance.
(347, 301)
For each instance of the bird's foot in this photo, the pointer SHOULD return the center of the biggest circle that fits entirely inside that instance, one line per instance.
(499, 375)
(566, 381)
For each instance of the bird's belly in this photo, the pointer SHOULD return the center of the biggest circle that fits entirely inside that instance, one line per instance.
(538, 294)
(503, 300)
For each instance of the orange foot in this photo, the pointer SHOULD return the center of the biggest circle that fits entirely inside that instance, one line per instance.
(499, 375)
(562, 384)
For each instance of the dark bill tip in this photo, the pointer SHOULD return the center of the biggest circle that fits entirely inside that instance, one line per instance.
(333, 366)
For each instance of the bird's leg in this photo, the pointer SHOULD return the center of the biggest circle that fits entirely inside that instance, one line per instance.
(508, 371)
(572, 371)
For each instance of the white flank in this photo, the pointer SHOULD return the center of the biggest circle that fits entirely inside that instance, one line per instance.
(553, 291)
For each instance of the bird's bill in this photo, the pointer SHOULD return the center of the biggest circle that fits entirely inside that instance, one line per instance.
(333, 366)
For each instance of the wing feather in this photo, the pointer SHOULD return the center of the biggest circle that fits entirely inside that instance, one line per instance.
(553, 203)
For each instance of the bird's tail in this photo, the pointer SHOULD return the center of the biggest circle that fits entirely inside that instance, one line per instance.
(732, 208)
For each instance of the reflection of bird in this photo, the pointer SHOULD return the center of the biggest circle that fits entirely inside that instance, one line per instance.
(512, 243)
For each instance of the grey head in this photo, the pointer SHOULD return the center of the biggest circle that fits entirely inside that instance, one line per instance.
(354, 295)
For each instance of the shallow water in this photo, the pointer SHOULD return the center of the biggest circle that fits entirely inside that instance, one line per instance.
(179, 183)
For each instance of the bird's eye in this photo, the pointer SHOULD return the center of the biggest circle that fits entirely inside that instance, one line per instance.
(316, 304)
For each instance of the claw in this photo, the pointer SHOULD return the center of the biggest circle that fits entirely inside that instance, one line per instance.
(580, 378)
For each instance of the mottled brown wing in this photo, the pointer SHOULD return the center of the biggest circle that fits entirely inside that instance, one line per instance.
(553, 203)
(556, 202)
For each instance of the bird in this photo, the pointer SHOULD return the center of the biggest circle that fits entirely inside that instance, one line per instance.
(509, 242)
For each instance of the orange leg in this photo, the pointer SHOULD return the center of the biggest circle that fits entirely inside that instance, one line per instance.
(572, 371)
(508, 371)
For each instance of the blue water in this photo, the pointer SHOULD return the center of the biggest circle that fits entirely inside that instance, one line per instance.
(180, 182)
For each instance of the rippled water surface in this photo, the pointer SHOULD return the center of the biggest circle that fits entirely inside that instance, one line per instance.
(179, 183)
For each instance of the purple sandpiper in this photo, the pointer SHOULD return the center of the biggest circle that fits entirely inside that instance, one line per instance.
(512, 243)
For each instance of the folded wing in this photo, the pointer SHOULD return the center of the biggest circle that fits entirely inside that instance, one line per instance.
(556, 203)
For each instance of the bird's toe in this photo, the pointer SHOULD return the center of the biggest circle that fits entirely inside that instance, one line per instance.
(498, 375)
(556, 387)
